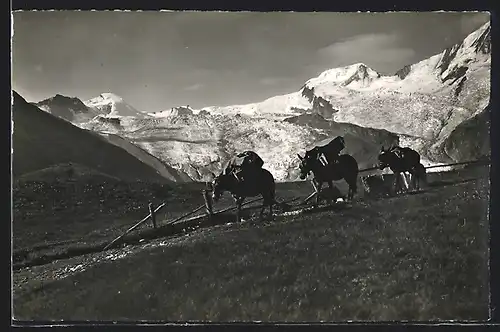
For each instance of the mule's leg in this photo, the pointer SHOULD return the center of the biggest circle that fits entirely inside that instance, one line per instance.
(239, 201)
(353, 188)
(267, 203)
(419, 176)
(417, 180)
(317, 186)
(330, 196)
(396, 183)
(404, 180)
(261, 214)
(411, 182)
(401, 183)
(414, 180)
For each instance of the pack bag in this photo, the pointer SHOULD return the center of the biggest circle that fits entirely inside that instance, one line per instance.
(328, 153)
(243, 161)
(335, 146)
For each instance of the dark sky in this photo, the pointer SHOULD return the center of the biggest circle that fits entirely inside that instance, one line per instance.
(157, 60)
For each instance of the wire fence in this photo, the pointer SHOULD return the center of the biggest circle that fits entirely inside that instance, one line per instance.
(470, 162)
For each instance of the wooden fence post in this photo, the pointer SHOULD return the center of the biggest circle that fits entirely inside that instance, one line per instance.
(208, 203)
(152, 213)
(135, 226)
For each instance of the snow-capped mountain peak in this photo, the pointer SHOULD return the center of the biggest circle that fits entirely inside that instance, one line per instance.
(111, 96)
(64, 101)
(175, 111)
(68, 108)
(475, 50)
(357, 73)
(110, 104)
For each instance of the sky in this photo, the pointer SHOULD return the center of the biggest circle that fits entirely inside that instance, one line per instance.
(159, 60)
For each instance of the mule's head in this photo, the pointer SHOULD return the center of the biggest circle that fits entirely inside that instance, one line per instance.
(304, 166)
(384, 158)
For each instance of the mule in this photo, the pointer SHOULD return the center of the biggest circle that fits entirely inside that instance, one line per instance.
(345, 167)
(259, 182)
(401, 160)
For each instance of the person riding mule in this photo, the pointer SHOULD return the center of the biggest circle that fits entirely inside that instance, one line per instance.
(244, 164)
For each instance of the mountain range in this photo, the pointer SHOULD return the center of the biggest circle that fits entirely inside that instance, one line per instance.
(42, 142)
(438, 106)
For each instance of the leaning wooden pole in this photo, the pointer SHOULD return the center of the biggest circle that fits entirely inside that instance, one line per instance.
(208, 203)
(152, 214)
(309, 197)
(220, 211)
(186, 215)
(235, 207)
(135, 226)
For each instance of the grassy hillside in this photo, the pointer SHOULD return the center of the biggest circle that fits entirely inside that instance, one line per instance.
(53, 209)
(41, 140)
(414, 257)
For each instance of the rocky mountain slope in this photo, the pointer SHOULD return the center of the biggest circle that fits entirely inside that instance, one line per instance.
(422, 102)
(147, 158)
(201, 143)
(109, 104)
(41, 140)
(430, 106)
(68, 108)
(470, 140)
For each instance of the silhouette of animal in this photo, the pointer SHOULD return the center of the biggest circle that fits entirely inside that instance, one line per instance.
(400, 160)
(257, 182)
(345, 167)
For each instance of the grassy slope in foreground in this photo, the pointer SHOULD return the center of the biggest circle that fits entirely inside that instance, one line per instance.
(41, 140)
(416, 257)
(94, 207)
